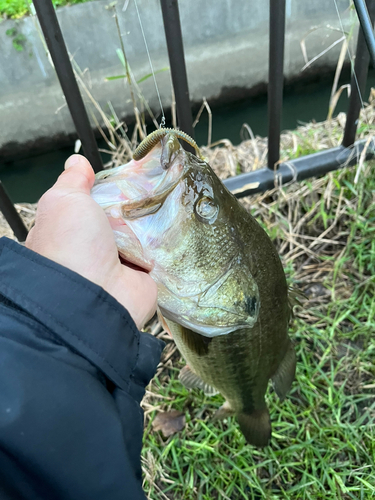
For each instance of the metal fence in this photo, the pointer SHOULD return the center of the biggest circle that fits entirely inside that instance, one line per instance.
(244, 184)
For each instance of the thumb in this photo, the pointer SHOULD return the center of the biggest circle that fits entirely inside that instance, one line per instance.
(78, 175)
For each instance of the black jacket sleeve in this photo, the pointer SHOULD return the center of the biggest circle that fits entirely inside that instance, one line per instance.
(73, 370)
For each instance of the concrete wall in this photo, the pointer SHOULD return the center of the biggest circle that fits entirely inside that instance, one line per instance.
(226, 48)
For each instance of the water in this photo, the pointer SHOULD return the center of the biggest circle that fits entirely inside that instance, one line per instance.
(302, 104)
(27, 179)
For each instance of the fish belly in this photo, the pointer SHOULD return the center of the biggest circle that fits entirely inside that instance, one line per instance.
(229, 363)
(239, 365)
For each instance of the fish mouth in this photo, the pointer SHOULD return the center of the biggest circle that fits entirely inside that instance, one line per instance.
(209, 331)
(134, 191)
(130, 250)
(136, 266)
(140, 187)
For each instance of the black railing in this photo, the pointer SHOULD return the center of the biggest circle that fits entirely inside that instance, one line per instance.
(275, 79)
(358, 81)
(11, 215)
(60, 57)
(245, 184)
(173, 35)
(366, 23)
(299, 169)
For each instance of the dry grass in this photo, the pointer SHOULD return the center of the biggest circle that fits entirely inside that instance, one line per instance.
(26, 211)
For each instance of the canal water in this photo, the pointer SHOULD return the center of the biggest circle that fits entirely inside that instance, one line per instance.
(27, 179)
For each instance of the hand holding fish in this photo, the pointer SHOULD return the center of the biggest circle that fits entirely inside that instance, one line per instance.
(72, 230)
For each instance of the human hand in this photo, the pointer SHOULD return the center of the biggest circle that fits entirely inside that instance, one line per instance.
(72, 230)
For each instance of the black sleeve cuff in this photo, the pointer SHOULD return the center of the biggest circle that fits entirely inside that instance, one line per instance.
(81, 314)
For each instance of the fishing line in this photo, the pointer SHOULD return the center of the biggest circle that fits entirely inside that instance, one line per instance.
(162, 123)
(350, 58)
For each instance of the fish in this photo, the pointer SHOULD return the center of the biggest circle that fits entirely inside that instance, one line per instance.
(222, 290)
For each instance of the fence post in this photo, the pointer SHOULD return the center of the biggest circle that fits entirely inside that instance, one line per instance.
(11, 215)
(56, 46)
(367, 26)
(173, 35)
(358, 82)
(275, 79)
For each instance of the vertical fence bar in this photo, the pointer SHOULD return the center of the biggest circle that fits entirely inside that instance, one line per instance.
(275, 79)
(173, 35)
(367, 26)
(11, 215)
(358, 82)
(56, 46)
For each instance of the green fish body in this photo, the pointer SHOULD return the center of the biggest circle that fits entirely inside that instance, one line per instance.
(222, 292)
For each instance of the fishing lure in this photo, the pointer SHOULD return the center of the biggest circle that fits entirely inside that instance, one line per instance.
(152, 139)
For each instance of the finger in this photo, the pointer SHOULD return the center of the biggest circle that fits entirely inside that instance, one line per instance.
(79, 175)
(29, 239)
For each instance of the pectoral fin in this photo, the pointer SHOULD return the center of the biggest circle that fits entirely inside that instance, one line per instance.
(190, 380)
(284, 376)
(163, 322)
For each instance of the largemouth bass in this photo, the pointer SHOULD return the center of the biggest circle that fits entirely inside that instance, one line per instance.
(222, 292)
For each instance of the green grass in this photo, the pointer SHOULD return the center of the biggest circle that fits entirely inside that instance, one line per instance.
(323, 444)
(15, 9)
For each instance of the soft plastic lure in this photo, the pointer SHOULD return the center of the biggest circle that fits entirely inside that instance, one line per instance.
(152, 139)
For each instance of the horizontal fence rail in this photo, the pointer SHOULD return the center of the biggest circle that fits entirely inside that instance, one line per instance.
(299, 169)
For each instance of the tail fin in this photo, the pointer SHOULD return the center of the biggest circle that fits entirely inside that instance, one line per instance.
(256, 427)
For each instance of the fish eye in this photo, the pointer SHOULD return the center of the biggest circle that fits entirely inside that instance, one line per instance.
(206, 208)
